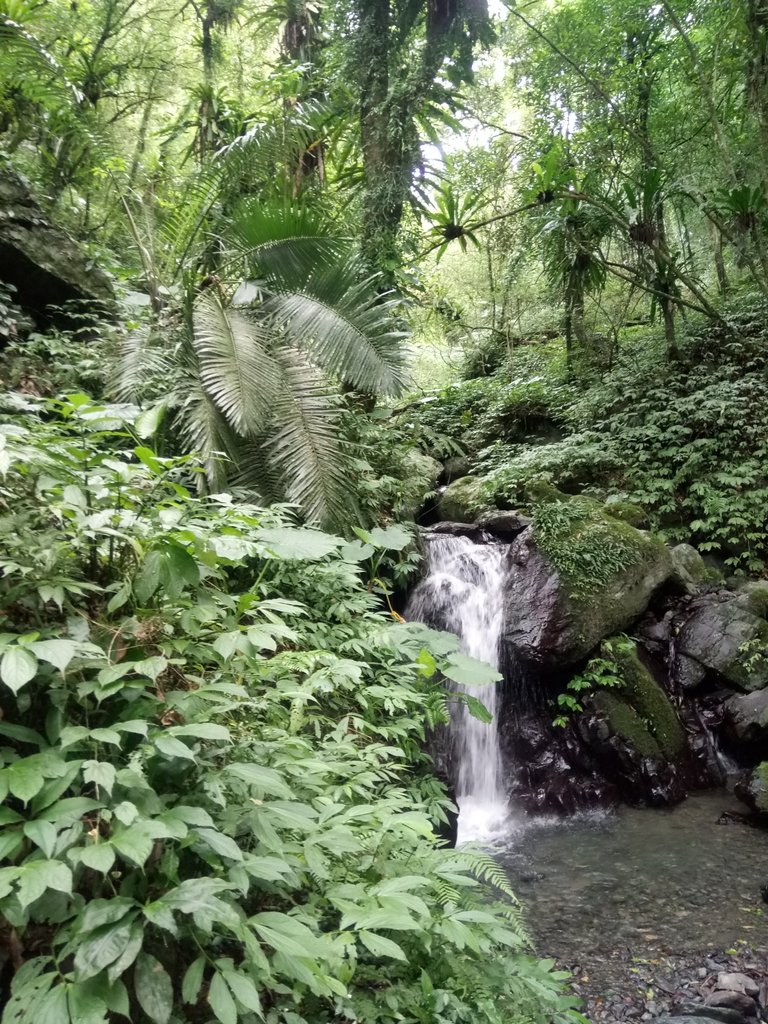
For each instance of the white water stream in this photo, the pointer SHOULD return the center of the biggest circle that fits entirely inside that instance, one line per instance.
(463, 593)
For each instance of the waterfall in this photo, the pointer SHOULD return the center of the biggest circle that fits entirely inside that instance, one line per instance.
(463, 593)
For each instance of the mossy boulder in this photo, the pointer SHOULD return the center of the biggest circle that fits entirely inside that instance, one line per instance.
(724, 635)
(577, 576)
(689, 569)
(463, 500)
(626, 512)
(420, 476)
(754, 790)
(633, 730)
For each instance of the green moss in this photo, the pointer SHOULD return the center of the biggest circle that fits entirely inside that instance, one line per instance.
(463, 500)
(588, 547)
(626, 723)
(650, 702)
(626, 512)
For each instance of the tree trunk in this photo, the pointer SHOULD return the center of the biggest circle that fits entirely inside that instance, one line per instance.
(723, 285)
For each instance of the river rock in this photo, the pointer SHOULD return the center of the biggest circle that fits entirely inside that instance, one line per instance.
(43, 262)
(504, 524)
(554, 620)
(689, 570)
(753, 790)
(734, 1001)
(737, 982)
(746, 720)
(463, 501)
(697, 1014)
(712, 639)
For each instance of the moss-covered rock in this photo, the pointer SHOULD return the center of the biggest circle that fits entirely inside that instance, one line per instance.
(650, 702)
(624, 721)
(754, 790)
(689, 569)
(577, 576)
(421, 474)
(626, 512)
(463, 500)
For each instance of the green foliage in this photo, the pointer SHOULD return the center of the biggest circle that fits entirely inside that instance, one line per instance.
(216, 800)
(601, 672)
(586, 546)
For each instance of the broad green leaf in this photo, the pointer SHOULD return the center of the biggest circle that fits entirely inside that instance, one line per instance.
(220, 844)
(17, 667)
(297, 543)
(265, 779)
(52, 1008)
(393, 538)
(192, 981)
(201, 731)
(244, 990)
(100, 773)
(98, 857)
(85, 1006)
(468, 671)
(476, 708)
(101, 948)
(381, 946)
(97, 913)
(148, 421)
(220, 1000)
(68, 811)
(287, 935)
(172, 747)
(39, 875)
(129, 953)
(153, 987)
(58, 653)
(21, 734)
(42, 834)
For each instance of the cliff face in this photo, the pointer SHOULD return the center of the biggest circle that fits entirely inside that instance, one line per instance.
(43, 263)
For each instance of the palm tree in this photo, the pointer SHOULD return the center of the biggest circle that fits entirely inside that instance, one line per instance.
(254, 382)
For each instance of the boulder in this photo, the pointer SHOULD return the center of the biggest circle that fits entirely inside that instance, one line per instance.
(689, 570)
(746, 720)
(570, 588)
(504, 524)
(705, 1015)
(456, 467)
(634, 731)
(734, 1001)
(734, 981)
(420, 476)
(723, 634)
(43, 263)
(754, 792)
(463, 500)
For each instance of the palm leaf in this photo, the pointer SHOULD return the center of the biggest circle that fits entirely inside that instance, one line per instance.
(349, 330)
(203, 429)
(304, 443)
(236, 367)
(284, 241)
(143, 368)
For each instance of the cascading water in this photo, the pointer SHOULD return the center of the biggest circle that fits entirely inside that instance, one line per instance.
(463, 593)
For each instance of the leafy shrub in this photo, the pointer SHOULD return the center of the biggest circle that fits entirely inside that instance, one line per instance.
(604, 671)
(216, 800)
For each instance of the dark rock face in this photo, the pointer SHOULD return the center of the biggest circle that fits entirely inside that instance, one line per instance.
(746, 721)
(753, 790)
(547, 626)
(42, 261)
(713, 636)
(504, 524)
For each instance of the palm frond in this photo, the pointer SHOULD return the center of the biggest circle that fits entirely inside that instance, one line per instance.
(284, 241)
(203, 429)
(349, 330)
(236, 368)
(304, 442)
(143, 368)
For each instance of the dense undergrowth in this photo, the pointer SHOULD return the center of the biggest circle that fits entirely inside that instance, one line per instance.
(686, 441)
(216, 801)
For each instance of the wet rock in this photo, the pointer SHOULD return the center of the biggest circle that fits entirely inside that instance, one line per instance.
(504, 524)
(689, 570)
(41, 260)
(734, 1001)
(737, 982)
(706, 1014)
(754, 792)
(456, 467)
(463, 501)
(554, 619)
(713, 637)
(470, 530)
(746, 721)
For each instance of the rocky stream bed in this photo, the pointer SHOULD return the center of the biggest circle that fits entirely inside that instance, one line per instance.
(658, 913)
